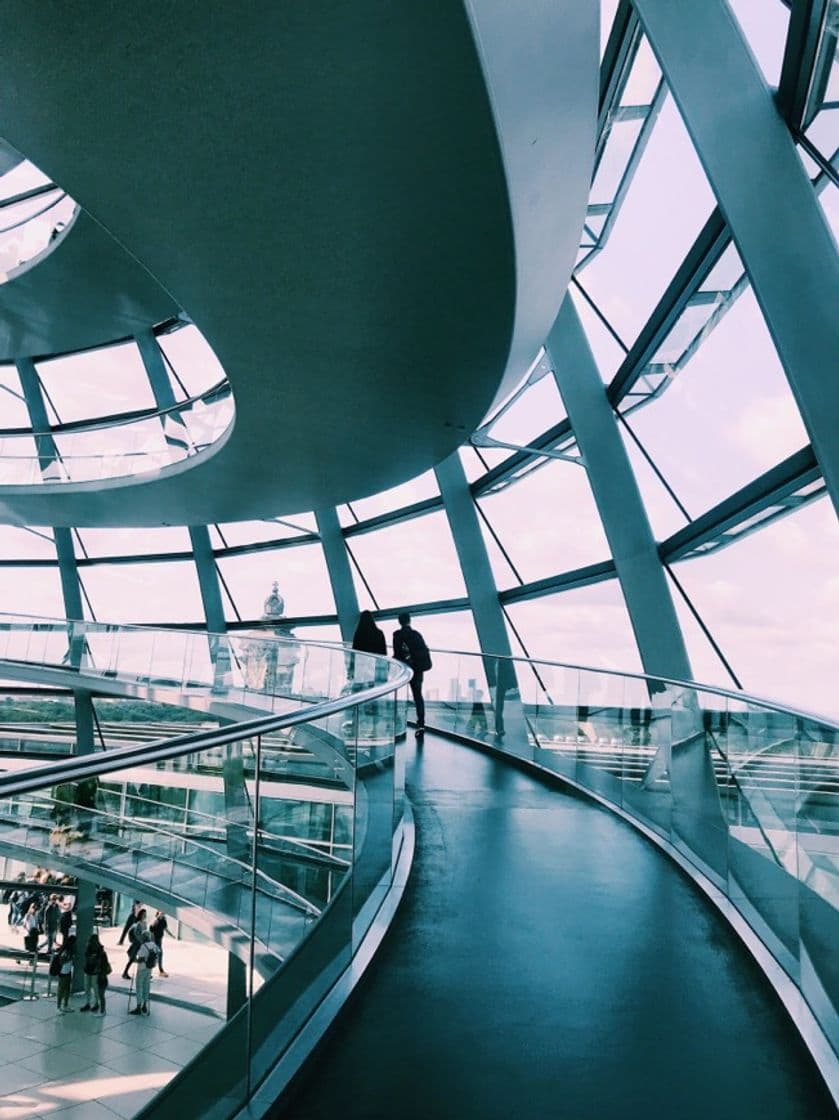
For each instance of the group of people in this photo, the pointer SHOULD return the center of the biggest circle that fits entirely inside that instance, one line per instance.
(145, 950)
(408, 647)
(97, 969)
(39, 912)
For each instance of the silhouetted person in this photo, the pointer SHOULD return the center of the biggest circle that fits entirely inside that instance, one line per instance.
(65, 920)
(136, 937)
(65, 973)
(136, 907)
(368, 638)
(409, 647)
(503, 670)
(158, 930)
(52, 916)
(95, 961)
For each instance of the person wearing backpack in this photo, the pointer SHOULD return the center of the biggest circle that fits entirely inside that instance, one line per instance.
(147, 958)
(158, 928)
(409, 647)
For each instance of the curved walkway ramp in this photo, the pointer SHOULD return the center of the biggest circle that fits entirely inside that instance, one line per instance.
(548, 961)
(86, 291)
(343, 250)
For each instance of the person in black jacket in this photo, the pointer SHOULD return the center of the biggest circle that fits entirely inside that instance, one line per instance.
(368, 638)
(409, 647)
(158, 930)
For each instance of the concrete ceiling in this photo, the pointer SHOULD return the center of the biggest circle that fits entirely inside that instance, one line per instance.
(85, 291)
(371, 218)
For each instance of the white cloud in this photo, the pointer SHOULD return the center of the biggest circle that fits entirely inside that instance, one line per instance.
(769, 423)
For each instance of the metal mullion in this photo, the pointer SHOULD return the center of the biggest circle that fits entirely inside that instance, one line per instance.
(698, 617)
(575, 281)
(709, 246)
(497, 539)
(616, 64)
(577, 577)
(226, 589)
(85, 595)
(771, 488)
(826, 168)
(651, 462)
(638, 149)
(172, 369)
(361, 574)
(801, 54)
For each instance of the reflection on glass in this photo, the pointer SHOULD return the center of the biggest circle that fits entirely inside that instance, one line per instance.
(271, 851)
(745, 791)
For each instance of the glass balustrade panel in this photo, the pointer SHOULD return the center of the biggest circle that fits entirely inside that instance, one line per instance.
(755, 753)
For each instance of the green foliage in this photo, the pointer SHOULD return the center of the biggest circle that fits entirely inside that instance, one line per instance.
(17, 709)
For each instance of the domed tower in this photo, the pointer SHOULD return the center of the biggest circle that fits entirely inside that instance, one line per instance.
(269, 664)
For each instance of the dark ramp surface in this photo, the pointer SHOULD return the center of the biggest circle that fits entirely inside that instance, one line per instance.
(547, 961)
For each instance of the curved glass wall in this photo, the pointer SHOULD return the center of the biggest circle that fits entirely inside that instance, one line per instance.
(741, 521)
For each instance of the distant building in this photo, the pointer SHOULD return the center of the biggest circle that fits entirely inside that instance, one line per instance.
(268, 664)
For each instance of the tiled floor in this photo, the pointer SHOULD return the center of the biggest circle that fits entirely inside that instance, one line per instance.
(86, 1067)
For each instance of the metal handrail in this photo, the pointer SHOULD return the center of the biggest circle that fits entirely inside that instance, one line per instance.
(93, 765)
(31, 217)
(695, 686)
(293, 898)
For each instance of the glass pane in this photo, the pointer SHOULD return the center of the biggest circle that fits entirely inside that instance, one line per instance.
(13, 410)
(96, 383)
(300, 572)
(142, 592)
(764, 24)
(411, 562)
(727, 416)
(192, 359)
(133, 542)
(583, 626)
(667, 203)
(548, 521)
(538, 408)
(771, 600)
(31, 591)
(416, 490)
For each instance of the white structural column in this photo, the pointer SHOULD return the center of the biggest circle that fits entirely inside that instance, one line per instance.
(682, 761)
(625, 522)
(338, 566)
(483, 600)
(777, 224)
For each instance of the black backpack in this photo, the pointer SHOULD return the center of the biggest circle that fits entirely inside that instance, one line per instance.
(411, 649)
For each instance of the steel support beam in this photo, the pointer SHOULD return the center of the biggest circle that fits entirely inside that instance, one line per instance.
(483, 601)
(340, 573)
(800, 56)
(642, 579)
(236, 804)
(71, 592)
(772, 488)
(768, 201)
